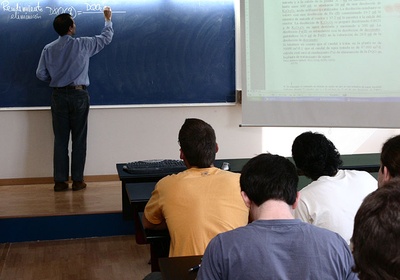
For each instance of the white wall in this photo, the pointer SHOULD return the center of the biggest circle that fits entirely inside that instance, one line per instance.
(128, 134)
(278, 140)
(117, 136)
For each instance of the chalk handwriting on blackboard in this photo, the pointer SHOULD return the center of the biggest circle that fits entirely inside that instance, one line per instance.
(25, 11)
(59, 10)
(163, 52)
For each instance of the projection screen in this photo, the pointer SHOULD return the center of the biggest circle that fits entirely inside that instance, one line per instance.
(320, 63)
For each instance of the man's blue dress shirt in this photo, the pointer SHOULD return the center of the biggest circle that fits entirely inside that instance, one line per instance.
(65, 61)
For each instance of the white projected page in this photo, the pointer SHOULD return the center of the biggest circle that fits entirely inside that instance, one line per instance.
(327, 50)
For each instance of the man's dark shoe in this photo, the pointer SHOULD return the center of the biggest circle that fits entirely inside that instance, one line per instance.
(60, 186)
(78, 185)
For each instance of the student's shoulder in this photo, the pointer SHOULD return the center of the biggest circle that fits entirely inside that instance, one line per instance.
(358, 173)
(325, 236)
(172, 178)
(226, 173)
(361, 175)
(311, 187)
(234, 235)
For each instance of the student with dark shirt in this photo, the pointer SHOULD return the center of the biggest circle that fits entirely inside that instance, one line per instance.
(275, 245)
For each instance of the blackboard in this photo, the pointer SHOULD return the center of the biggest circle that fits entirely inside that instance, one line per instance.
(163, 52)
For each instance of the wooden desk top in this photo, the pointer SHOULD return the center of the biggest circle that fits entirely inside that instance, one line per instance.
(178, 267)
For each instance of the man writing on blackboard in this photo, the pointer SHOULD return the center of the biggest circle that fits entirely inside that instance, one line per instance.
(64, 63)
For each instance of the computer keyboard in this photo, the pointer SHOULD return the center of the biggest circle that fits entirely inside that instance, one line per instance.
(155, 166)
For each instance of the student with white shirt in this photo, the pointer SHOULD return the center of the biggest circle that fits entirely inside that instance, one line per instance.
(332, 199)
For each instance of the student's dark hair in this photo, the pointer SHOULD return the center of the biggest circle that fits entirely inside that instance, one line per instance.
(376, 234)
(390, 156)
(315, 155)
(198, 142)
(62, 23)
(268, 176)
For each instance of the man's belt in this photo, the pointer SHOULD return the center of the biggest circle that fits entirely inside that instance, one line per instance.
(80, 87)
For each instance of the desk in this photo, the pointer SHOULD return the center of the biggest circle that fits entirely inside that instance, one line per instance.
(126, 177)
(366, 162)
(137, 188)
(138, 195)
(159, 240)
(136, 191)
(178, 267)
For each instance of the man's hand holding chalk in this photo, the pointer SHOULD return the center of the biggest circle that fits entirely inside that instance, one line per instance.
(107, 13)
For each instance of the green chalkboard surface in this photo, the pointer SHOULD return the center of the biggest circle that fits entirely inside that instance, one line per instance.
(163, 52)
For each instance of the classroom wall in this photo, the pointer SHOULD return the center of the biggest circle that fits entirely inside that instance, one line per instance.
(118, 135)
(348, 141)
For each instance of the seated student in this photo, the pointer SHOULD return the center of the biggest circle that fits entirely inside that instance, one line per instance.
(390, 160)
(333, 198)
(376, 236)
(275, 245)
(200, 202)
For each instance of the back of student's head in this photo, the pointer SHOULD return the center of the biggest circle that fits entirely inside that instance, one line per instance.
(198, 142)
(390, 156)
(315, 155)
(62, 23)
(268, 176)
(376, 234)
